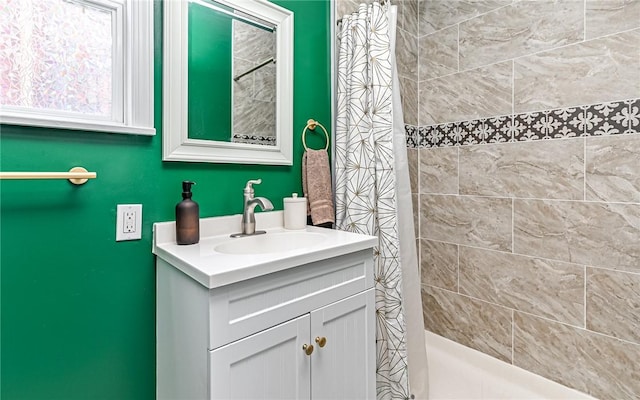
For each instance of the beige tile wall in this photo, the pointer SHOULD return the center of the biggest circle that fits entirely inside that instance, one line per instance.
(516, 255)
(407, 50)
(489, 58)
(530, 251)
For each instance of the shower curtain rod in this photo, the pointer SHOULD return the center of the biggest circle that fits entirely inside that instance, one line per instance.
(382, 2)
(255, 68)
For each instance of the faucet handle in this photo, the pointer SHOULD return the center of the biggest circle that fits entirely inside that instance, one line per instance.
(248, 188)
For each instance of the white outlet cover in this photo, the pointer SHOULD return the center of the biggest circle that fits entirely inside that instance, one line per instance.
(134, 213)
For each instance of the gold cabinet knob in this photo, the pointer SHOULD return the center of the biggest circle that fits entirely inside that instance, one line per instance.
(308, 349)
(321, 341)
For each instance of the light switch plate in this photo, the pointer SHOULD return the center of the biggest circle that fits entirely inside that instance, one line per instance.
(128, 222)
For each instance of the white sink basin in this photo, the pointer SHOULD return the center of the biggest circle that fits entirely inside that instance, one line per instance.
(273, 242)
(219, 260)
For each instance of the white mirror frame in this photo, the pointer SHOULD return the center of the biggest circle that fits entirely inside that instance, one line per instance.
(177, 146)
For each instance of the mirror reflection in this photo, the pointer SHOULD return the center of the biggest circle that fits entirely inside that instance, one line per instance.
(231, 75)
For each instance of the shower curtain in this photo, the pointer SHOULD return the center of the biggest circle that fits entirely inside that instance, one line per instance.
(366, 167)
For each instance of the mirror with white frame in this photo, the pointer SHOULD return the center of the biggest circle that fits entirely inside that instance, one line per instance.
(228, 89)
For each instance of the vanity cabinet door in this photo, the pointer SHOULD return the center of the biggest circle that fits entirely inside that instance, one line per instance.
(344, 367)
(267, 365)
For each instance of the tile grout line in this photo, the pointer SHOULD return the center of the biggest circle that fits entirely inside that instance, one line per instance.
(585, 297)
(418, 70)
(458, 154)
(584, 21)
(418, 81)
(573, 326)
(508, 196)
(513, 335)
(529, 54)
(464, 20)
(576, 264)
(458, 49)
(419, 191)
(533, 315)
(584, 169)
(458, 268)
(513, 89)
(513, 225)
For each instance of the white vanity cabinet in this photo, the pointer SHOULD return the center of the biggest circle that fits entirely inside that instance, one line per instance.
(252, 339)
(273, 364)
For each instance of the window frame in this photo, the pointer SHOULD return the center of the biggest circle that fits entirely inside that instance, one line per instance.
(132, 75)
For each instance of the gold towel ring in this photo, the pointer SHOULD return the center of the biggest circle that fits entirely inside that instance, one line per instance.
(312, 124)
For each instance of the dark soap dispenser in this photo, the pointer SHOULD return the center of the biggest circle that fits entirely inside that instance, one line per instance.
(187, 217)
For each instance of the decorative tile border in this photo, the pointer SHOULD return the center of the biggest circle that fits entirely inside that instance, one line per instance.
(254, 139)
(411, 134)
(612, 118)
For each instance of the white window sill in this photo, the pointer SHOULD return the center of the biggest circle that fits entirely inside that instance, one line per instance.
(76, 124)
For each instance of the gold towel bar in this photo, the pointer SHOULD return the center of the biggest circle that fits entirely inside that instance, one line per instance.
(312, 124)
(76, 175)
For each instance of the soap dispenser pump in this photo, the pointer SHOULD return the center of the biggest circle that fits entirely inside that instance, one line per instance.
(187, 217)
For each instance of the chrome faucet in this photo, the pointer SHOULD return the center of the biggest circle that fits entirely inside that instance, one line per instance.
(250, 203)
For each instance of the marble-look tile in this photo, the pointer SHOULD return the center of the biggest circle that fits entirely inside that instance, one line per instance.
(439, 170)
(253, 117)
(479, 93)
(265, 83)
(522, 28)
(412, 159)
(407, 15)
(613, 168)
(601, 366)
(473, 323)
(409, 97)
(437, 14)
(345, 7)
(475, 221)
(540, 169)
(252, 43)
(438, 53)
(582, 73)
(605, 17)
(550, 289)
(243, 87)
(407, 55)
(597, 234)
(613, 303)
(439, 264)
(415, 206)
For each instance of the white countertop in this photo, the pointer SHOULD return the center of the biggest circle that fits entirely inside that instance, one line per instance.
(212, 269)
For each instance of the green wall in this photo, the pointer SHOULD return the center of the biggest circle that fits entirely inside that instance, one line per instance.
(77, 308)
(210, 60)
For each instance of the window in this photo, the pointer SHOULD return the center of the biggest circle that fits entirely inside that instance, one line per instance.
(77, 64)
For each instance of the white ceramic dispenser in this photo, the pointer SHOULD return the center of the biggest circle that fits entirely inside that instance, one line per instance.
(295, 212)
